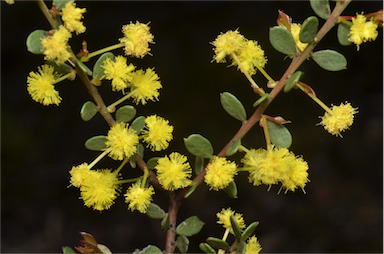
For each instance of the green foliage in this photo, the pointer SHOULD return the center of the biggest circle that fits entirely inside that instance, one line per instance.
(182, 243)
(233, 106)
(60, 4)
(96, 143)
(190, 226)
(199, 146)
(282, 40)
(88, 111)
(68, 250)
(241, 247)
(234, 147)
(217, 243)
(235, 227)
(291, 82)
(248, 231)
(98, 70)
(279, 134)
(321, 8)
(152, 162)
(150, 249)
(231, 190)
(330, 60)
(155, 212)
(34, 41)
(199, 164)
(206, 248)
(343, 34)
(260, 100)
(125, 113)
(309, 29)
(138, 124)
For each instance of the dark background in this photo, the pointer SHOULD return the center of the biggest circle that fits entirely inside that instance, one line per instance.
(342, 208)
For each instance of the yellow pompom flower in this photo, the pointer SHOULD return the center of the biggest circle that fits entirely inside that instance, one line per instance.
(56, 45)
(362, 30)
(220, 173)
(122, 140)
(72, 16)
(40, 86)
(251, 56)
(253, 246)
(157, 132)
(79, 174)
(340, 119)
(100, 189)
(227, 43)
(119, 72)
(136, 39)
(138, 197)
(224, 218)
(173, 172)
(295, 31)
(145, 86)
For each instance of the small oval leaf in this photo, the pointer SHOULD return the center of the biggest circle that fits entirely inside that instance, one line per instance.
(125, 113)
(182, 243)
(199, 164)
(152, 162)
(321, 8)
(241, 247)
(217, 243)
(34, 41)
(138, 124)
(291, 82)
(190, 226)
(199, 146)
(96, 143)
(309, 29)
(233, 106)
(88, 111)
(279, 135)
(330, 60)
(282, 40)
(60, 4)
(155, 212)
(260, 100)
(68, 250)
(249, 230)
(150, 249)
(235, 227)
(231, 190)
(60, 68)
(190, 191)
(98, 70)
(343, 34)
(206, 248)
(233, 148)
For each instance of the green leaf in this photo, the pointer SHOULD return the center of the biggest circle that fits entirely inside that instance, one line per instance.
(309, 29)
(165, 222)
(343, 34)
(190, 191)
(282, 40)
(34, 41)
(152, 162)
(217, 243)
(60, 4)
(83, 67)
(68, 250)
(233, 106)
(279, 134)
(206, 248)
(96, 143)
(330, 60)
(199, 146)
(150, 249)
(235, 227)
(321, 8)
(88, 111)
(232, 149)
(231, 190)
(199, 164)
(138, 124)
(190, 226)
(240, 248)
(60, 68)
(249, 230)
(125, 113)
(104, 249)
(98, 70)
(291, 82)
(260, 100)
(140, 152)
(182, 243)
(155, 212)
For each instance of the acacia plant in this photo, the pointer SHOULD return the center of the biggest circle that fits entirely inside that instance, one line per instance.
(174, 174)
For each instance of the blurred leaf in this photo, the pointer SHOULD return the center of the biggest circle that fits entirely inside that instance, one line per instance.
(138, 124)
(98, 70)
(235, 227)
(62, 68)
(60, 4)
(83, 67)
(68, 250)
(165, 222)
(217, 243)
(233, 106)
(309, 29)
(321, 8)
(241, 247)
(282, 40)
(291, 82)
(231, 189)
(343, 34)
(104, 249)
(330, 60)
(191, 190)
(88, 111)
(279, 135)
(182, 243)
(96, 143)
(190, 226)
(155, 212)
(199, 164)
(34, 41)
(260, 100)
(150, 249)
(232, 149)
(206, 248)
(249, 230)
(152, 162)
(199, 146)
(125, 113)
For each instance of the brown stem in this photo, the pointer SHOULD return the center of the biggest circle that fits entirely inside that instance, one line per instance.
(170, 240)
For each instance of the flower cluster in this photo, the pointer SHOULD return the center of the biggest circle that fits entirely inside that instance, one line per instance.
(118, 71)
(362, 30)
(219, 173)
(339, 120)
(56, 45)
(247, 55)
(224, 218)
(136, 39)
(145, 86)
(276, 165)
(157, 132)
(72, 16)
(122, 140)
(253, 246)
(295, 31)
(139, 197)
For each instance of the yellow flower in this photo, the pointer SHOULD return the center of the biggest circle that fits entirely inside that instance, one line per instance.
(340, 119)
(136, 39)
(224, 218)
(138, 197)
(100, 189)
(119, 72)
(362, 30)
(79, 174)
(220, 173)
(173, 172)
(72, 16)
(145, 86)
(226, 44)
(295, 31)
(253, 246)
(123, 141)
(56, 45)
(157, 132)
(40, 86)
(251, 56)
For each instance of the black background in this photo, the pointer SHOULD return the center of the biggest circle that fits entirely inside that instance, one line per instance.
(342, 208)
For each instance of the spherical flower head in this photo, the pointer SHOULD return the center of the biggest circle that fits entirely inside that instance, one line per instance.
(145, 86)
(224, 217)
(253, 246)
(138, 197)
(72, 16)
(157, 132)
(340, 119)
(362, 30)
(296, 175)
(173, 172)
(136, 39)
(119, 72)
(40, 86)
(220, 173)
(122, 140)
(79, 174)
(56, 46)
(226, 44)
(100, 189)
(251, 56)
(295, 31)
